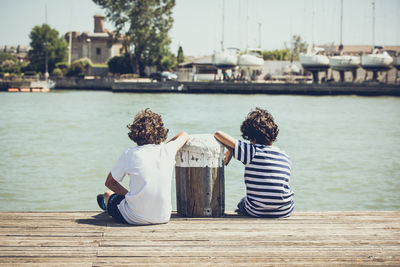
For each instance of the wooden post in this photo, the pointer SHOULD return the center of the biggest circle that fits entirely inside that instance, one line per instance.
(200, 182)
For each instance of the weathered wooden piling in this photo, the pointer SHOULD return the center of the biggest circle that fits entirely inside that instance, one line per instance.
(200, 182)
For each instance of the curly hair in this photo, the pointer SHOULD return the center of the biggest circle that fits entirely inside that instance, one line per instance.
(259, 126)
(147, 128)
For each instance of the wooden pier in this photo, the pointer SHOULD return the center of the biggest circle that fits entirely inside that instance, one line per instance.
(306, 238)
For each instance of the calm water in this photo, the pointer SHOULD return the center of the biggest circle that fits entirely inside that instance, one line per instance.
(57, 148)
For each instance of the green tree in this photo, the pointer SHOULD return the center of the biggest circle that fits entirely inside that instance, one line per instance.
(120, 64)
(9, 63)
(77, 69)
(168, 62)
(46, 41)
(282, 54)
(298, 46)
(180, 57)
(145, 24)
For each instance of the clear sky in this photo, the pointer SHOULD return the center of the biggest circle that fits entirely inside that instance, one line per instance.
(197, 26)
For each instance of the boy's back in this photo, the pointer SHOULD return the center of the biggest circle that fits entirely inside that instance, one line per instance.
(267, 174)
(267, 168)
(149, 166)
(150, 169)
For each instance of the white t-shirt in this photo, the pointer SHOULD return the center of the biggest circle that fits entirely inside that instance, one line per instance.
(150, 170)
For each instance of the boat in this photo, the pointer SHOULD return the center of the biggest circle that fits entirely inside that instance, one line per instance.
(225, 59)
(314, 60)
(343, 62)
(45, 86)
(34, 86)
(378, 59)
(252, 59)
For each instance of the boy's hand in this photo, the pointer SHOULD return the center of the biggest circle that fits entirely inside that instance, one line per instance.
(228, 156)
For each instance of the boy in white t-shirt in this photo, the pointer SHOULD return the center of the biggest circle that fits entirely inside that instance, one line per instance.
(149, 166)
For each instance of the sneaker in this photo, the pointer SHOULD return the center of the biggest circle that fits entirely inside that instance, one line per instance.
(100, 201)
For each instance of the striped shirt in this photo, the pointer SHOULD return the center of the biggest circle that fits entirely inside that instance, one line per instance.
(266, 175)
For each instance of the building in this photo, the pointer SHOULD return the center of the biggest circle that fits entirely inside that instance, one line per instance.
(20, 51)
(98, 46)
(332, 49)
(201, 68)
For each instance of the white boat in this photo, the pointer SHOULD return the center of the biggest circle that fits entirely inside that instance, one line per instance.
(344, 62)
(314, 61)
(252, 59)
(378, 60)
(43, 86)
(35, 86)
(225, 59)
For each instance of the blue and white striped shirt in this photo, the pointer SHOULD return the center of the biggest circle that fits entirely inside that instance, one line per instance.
(266, 175)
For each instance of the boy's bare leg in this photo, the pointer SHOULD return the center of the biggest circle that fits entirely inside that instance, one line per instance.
(107, 195)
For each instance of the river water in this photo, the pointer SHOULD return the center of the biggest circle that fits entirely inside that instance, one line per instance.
(57, 148)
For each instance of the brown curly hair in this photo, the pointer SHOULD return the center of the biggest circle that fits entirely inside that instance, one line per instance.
(147, 128)
(259, 126)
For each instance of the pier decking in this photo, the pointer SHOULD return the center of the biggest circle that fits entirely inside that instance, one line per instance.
(306, 238)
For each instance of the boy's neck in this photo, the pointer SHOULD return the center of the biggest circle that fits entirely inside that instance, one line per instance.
(253, 142)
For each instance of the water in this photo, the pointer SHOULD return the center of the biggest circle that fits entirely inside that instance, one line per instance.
(57, 148)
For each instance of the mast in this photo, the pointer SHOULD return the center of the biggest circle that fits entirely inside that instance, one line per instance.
(373, 23)
(247, 24)
(341, 22)
(223, 22)
(239, 35)
(259, 34)
(45, 13)
(341, 28)
(70, 39)
(313, 15)
(69, 48)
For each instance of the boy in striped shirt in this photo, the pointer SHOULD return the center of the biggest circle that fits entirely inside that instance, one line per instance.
(267, 168)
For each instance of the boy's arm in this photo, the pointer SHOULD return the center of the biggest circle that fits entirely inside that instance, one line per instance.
(181, 139)
(229, 142)
(225, 139)
(115, 186)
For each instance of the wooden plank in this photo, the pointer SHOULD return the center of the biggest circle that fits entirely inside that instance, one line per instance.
(306, 238)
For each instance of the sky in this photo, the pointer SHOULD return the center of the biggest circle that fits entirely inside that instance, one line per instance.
(247, 23)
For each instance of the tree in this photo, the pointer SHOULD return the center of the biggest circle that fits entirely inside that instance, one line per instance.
(77, 69)
(9, 63)
(168, 62)
(282, 54)
(145, 23)
(46, 41)
(298, 46)
(120, 64)
(180, 57)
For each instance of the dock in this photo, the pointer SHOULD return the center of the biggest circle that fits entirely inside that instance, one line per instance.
(342, 238)
(215, 87)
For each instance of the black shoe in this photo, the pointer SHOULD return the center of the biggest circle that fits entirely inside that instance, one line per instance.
(100, 201)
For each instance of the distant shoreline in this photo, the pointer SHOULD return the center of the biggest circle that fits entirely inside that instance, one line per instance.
(218, 87)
